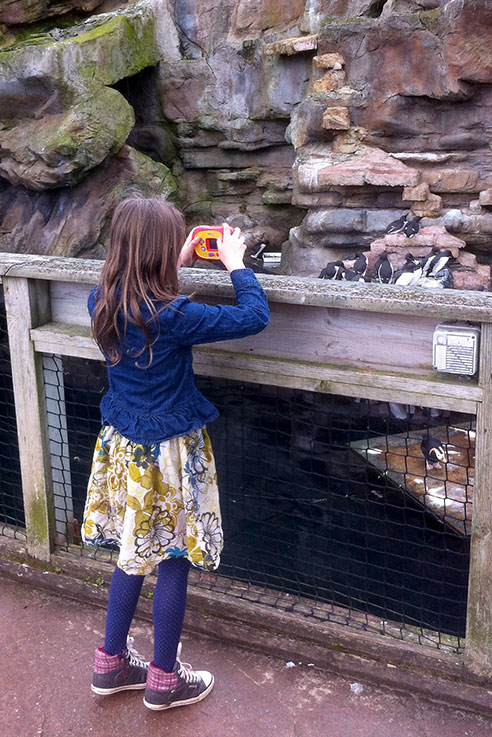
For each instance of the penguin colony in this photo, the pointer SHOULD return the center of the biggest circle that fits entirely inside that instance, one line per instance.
(431, 271)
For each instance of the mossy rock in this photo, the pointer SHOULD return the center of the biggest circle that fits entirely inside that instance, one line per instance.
(59, 118)
(100, 51)
(59, 149)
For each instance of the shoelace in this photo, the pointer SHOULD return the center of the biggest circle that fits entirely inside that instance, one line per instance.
(186, 672)
(134, 657)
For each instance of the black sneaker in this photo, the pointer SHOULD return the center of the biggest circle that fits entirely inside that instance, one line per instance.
(182, 686)
(113, 673)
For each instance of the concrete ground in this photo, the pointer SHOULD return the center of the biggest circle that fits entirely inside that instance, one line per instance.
(46, 667)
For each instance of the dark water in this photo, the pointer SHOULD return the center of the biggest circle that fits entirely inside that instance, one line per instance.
(300, 514)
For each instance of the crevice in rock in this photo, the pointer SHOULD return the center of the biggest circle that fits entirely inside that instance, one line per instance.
(152, 134)
(376, 8)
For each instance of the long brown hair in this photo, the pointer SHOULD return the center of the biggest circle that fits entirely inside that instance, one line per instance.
(141, 267)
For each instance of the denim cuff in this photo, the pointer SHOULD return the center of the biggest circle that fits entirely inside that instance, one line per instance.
(242, 277)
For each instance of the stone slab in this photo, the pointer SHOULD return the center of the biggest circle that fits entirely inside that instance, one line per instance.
(291, 46)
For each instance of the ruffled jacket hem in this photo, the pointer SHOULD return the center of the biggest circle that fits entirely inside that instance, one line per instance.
(147, 429)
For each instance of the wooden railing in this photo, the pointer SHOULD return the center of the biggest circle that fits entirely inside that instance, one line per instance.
(368, 341)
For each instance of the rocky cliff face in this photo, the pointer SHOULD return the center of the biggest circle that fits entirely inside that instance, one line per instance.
(311, 124)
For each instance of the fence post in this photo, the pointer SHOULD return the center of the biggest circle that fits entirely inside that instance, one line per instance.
(478, 642)
(27, 306)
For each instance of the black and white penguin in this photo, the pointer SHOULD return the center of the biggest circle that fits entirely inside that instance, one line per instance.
(428, 260)
(397, 226)
(383, 270)
(433, 451)
(429, 282)
(360, 264)
(332, 270)
(352, 275)
(412, 227)
(439, 261)
(445, 277)
(410, 274)
(410, 259)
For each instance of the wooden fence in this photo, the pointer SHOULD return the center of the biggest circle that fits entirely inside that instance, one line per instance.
(368, 341)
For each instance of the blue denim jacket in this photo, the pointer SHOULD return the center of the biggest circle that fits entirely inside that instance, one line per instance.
(161, 402)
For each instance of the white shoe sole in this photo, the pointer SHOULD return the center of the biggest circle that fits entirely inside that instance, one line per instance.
(107, 691)
(161, 707)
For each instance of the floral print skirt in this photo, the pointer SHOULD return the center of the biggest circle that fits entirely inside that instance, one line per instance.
(154, 501)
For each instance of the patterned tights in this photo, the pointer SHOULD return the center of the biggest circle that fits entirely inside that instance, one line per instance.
(168, 610)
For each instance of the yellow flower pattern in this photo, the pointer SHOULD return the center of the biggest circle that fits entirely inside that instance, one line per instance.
(154, 501)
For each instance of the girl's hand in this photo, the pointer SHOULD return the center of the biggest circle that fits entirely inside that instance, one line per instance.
(231, 248)
(185, 257)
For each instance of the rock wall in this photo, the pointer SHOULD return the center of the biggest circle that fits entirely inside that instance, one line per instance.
(311, 124)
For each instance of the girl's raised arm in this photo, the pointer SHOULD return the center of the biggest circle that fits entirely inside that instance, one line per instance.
(192, 323)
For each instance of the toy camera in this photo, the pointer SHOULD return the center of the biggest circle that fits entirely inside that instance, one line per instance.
(207, 249)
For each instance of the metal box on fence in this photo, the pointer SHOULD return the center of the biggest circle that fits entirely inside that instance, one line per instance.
(455, 349)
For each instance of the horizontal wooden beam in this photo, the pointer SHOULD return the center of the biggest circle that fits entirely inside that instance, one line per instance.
(342, 380)
(441, 393)
(446, 304)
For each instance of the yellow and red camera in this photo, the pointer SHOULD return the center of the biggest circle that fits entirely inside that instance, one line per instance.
(207, 250)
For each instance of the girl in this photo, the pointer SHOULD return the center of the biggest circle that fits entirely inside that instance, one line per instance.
(152, 490)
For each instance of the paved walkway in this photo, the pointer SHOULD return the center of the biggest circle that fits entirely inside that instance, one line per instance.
(45, 671)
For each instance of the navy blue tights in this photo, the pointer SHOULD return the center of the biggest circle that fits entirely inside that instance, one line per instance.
(168, 610)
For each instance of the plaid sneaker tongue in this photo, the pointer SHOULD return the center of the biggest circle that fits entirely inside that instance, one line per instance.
(159, 680)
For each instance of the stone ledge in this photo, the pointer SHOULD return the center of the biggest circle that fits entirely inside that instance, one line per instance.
(291, 46)
(454, 304)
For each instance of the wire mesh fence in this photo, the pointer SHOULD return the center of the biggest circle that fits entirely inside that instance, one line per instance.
(339, 509)
(12, 521)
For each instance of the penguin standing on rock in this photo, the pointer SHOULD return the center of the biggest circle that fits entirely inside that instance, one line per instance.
(434, 452)
(428, 260)
(410, 274)
(397, 226)
(439, 261)
(383, 270)
(412, 227)
(410, 259)
(352, 275)
(333, 270)
(445, 278)
(360, 264)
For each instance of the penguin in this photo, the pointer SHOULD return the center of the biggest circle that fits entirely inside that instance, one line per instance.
(433, 451)
(410, 258)
(410, 274)
(332, 270)
(383, 270)
(412, 227)
(439, 262)
(428, 260)
(360, 264)
(429, 282)
(351, 275)
(397, 225)
(445, 277)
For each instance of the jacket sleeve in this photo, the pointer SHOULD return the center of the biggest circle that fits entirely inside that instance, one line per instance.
(91, 300)
(193, 324)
